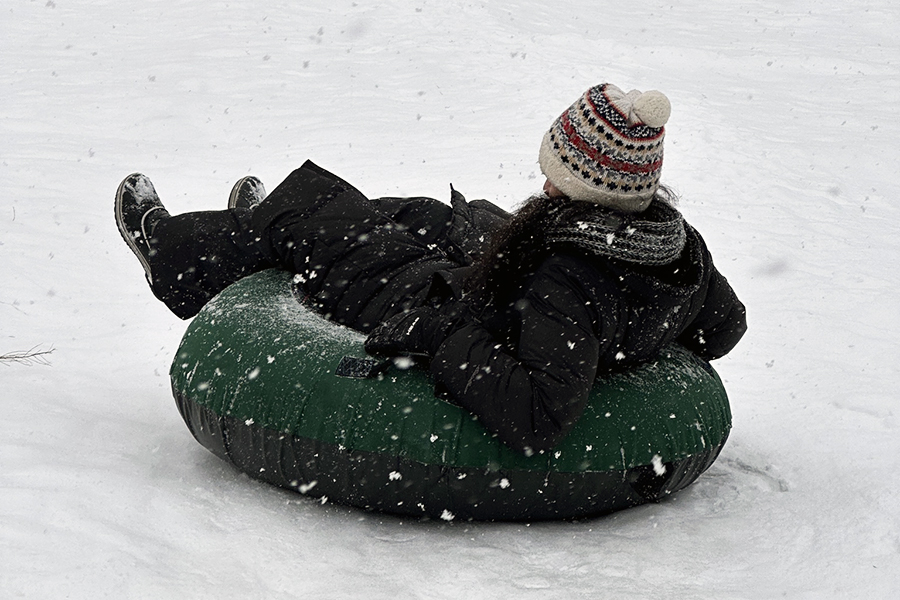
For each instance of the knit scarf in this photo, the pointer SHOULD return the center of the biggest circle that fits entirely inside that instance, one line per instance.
(653, 237)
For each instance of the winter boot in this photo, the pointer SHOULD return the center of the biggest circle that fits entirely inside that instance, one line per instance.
(247, 193)
(138, 212)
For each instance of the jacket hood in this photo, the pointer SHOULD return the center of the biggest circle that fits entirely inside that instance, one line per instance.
(680, 278)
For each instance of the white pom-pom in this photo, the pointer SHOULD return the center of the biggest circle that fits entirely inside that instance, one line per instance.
(652, 108)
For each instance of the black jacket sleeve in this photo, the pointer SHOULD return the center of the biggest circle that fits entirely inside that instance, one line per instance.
(720, 322)
(530, 398)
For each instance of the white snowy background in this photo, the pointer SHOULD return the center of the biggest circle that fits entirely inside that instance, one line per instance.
(783, 142)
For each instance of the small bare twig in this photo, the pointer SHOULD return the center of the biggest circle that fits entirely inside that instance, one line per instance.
(28, 357)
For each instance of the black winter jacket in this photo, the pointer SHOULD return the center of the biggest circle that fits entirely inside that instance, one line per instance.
(524, 368)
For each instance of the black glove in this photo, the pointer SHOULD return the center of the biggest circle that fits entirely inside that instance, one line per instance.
(420, 331)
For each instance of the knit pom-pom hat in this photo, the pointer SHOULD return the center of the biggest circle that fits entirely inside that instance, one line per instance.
(607, 148)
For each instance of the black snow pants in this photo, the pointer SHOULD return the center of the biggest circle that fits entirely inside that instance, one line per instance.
(359, 261)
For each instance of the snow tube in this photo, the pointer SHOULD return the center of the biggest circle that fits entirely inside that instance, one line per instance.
(255, 379)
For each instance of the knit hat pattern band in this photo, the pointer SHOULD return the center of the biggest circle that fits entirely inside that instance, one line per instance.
(607, 148)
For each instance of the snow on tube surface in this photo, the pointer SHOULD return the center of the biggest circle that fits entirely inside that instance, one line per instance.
(255, 381)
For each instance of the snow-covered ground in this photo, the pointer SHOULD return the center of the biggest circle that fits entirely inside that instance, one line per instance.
(783, 142)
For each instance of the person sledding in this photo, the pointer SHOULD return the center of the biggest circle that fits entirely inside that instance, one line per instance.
(514, 314)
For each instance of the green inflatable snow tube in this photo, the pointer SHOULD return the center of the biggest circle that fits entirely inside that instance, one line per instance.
(255, 379)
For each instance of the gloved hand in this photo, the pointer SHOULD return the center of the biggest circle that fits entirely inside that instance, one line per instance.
(420, 331)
